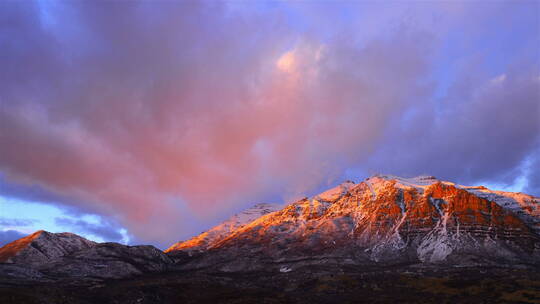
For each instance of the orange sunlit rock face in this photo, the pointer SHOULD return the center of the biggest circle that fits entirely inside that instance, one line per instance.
(15, 247)
(382, 216)
(42, 247)
(206, 239)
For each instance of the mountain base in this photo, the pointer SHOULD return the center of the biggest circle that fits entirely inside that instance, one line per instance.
(411, 284)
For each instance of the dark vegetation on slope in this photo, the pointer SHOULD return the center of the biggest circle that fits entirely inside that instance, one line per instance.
(308, 285)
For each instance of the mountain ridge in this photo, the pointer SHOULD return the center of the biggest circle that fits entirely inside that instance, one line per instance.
(218, 232)
(384, 220)
(42, 246)
(388, 218)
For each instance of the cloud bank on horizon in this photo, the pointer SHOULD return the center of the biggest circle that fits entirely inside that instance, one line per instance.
(166, 117)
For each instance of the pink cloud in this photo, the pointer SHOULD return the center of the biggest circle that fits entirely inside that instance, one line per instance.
(157, 114)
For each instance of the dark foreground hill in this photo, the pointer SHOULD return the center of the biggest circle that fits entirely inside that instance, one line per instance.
(307, 285)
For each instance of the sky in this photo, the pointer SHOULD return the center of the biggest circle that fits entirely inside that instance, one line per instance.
(148, 122)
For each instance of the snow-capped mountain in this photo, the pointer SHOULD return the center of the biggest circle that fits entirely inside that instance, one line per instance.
(42, 246)
(381, 238)
(388, 219)
(209, 238)
(383, 220)
(525, 206)
(55, 256)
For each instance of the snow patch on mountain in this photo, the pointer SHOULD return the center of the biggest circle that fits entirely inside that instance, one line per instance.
(219, 232)
(526, 207)
(335, 193)
(376, 182)
(386, 219)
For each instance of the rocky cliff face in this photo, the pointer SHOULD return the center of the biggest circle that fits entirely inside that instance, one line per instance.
(524, 206)
(109, 260)
(387, 219)
(216, 234)
(45, 256)
(42, 247)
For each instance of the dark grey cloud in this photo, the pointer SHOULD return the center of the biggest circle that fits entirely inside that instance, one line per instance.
(17, 222)
(104, 230)
(484, 130)
(533, 174)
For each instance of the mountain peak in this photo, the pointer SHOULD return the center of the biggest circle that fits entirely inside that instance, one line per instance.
(391, 218)
(418, 182)
(336, 192)
(10, 250)
(208, 238)
(42, 246)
